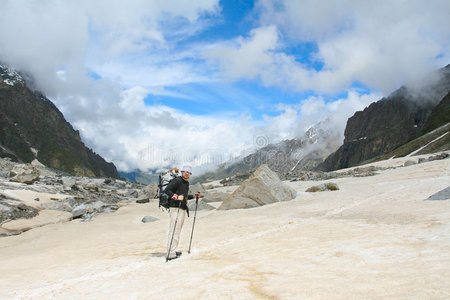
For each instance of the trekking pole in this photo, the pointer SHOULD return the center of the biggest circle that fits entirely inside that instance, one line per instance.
(173, 233)
(193, 224)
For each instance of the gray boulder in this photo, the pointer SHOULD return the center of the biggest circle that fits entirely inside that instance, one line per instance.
(197, 188)
(421, 160)
(409, 163)
(150, 191)
(148, 219)
(68, 183)
(328, 186)
(24, 173)
(143, 200)
(438, 156)
(79, 211)
(442, 195)
(201, 205)
(216, 197)
(261, 188)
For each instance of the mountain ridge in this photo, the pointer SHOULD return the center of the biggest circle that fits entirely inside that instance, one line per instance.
(32, 127)
(391, 122)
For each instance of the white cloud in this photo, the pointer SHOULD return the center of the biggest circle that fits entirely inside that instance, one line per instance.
(43, 37)
(382, 45)
(151, 137)
(246, 57)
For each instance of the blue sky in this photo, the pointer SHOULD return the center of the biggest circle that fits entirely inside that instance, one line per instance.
(151, 83)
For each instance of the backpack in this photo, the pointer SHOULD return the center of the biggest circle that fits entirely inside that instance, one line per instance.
(164, 179)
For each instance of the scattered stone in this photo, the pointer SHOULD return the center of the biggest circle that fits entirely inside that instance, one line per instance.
(319, 176)
(235, 180)
(58, 191)
(144, 200)
(262, 187)
(13, 209)
(148, 219)
(442, 195)
(209, 187)
(328, 186)
(24, 173)
(68, 183)
(409, 163)
(438, 156)
(79, 211)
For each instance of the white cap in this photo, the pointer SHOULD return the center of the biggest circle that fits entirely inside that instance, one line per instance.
(186, 168)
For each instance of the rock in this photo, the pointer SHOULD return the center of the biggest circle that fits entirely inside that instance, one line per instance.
(197, 188)
(79, 211)
(150, 191)
(68, 183)
(24, 173)
(235, 180)
(421, 160)
(201, 205)
(262, 187)
(438, 157)
(143, 200)
(216, 197)
(148, 219)
(328, 186)
(44, 217)
(442, 195)
(209, 187)
(92, 186)
(13, 209)
(409, 163)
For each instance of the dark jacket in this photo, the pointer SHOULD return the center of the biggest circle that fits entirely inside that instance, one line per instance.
(178, 186)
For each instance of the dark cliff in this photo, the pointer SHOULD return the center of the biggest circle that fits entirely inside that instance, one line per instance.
(391, 122)
(31, 126)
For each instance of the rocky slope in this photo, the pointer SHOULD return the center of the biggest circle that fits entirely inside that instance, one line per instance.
(32, 195)
(286, 157)
(31, 126)
(392, 122)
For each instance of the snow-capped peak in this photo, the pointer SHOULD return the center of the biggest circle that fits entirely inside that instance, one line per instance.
(10, 76)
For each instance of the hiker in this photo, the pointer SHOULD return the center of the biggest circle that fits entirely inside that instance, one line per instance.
(177, 191)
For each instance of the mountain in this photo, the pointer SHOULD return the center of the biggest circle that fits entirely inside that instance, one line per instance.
(405, 115)
(143, 177)
(304, 153)
(32, 127)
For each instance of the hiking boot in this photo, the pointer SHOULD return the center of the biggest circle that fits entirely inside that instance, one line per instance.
(170, 258)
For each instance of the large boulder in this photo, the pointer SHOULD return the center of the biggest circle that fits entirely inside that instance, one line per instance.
(197, 188)
(148, 192)
(24, 173)
(441, 195)
(201, 205)
(261, 188)
(216, 197)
